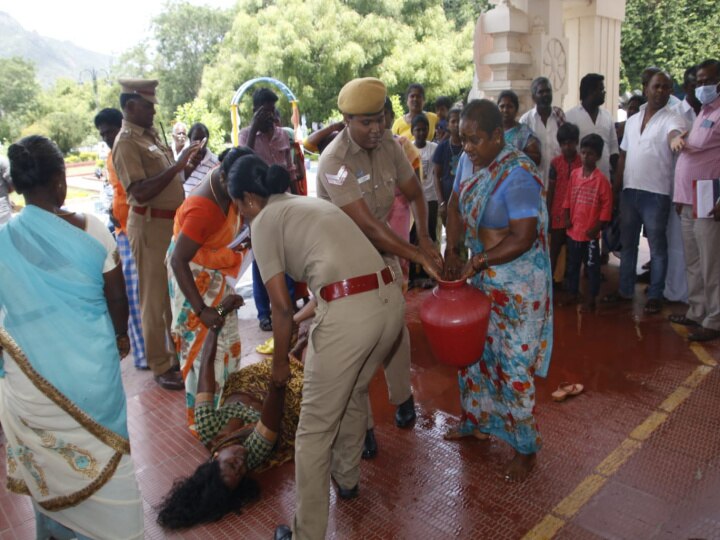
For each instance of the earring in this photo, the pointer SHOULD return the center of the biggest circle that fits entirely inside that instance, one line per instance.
(250, 204)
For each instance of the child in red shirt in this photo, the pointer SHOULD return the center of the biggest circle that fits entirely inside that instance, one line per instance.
(588, 208)
(568, 136)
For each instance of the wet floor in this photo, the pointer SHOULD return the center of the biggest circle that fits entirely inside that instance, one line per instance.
(636, 455)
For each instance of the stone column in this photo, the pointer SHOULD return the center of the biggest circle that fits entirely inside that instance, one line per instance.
(592, 28)
(501, 54)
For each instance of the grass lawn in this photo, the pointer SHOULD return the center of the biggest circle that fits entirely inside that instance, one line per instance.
(72, 193)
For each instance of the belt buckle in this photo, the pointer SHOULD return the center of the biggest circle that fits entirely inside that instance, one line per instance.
(392, 273)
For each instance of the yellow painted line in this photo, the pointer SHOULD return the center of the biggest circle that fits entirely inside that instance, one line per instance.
(546, 529)
(650, 424)
(571, 504)
(551, 524)
(674, 400)
(703, 355)
(697, 376)
(618, 457)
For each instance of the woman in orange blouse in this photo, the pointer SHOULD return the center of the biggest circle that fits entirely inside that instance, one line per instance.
(200, 268)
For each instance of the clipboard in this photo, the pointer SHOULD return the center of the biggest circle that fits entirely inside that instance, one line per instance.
(706, 194)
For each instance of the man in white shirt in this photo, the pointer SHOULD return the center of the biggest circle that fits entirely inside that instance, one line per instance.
(645, 176)
(590, 118)
(544, 120)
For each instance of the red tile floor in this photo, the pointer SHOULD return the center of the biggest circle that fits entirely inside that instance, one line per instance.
(636, 456)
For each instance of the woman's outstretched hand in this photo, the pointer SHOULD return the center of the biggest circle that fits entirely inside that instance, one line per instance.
(430, 257)
(453, 267)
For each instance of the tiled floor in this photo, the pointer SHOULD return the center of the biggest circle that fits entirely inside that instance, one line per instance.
(663, 482)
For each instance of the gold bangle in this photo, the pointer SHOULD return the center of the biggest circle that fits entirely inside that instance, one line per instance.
(221, 310)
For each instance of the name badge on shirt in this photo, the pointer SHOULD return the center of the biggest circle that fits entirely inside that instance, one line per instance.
(339, 178)
(363, 179)
(707, 123)
(153, 148)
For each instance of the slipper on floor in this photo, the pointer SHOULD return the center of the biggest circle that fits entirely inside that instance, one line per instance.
(677, 318)
(566, 390)
(266, 348)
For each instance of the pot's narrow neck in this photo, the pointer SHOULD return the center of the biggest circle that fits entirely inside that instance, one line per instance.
(451, 285)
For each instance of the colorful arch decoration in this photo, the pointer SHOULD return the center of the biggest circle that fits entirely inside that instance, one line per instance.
(235, 116)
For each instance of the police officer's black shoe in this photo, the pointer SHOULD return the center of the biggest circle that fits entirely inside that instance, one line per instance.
(283, 532)
(370, 448)
(347, 493)
(405, 413)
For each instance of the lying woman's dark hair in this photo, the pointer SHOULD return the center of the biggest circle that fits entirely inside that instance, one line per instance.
(203, 498)
(250, 174)
(34, 160)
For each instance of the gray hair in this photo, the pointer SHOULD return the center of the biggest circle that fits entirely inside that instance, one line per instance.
(537, 81)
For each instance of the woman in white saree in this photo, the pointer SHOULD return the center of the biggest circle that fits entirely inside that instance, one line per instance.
(63, 329)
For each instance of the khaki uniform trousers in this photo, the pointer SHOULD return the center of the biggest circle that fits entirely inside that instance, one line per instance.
(397, 363)
(149, 240)
(701, 243)
(349, 339)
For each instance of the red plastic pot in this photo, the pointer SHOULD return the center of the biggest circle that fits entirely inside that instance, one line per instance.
(455, 319)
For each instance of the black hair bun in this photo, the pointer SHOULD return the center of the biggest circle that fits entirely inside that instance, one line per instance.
(23, 168)
(277, 179)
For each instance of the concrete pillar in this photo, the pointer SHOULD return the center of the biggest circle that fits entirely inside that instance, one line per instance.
(501, 53)
(592, 28)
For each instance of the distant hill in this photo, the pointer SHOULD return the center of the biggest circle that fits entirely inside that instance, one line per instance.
(52, 58)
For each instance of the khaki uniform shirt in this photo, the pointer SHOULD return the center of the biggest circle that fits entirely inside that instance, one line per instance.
(138, 153)
(312, 240)
(348, 172)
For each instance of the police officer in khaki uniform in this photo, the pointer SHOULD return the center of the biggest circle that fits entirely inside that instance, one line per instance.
(154, 186)
(359, 172)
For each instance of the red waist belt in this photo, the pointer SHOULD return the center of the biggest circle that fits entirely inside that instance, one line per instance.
(154, 212)
(356, 285)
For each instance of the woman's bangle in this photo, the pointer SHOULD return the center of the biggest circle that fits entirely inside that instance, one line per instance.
(221, 310)
(482, 263)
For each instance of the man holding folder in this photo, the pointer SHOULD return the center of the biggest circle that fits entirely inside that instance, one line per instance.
(699, 150)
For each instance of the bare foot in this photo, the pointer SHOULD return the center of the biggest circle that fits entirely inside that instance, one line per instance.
(454, 434)
(519, 467)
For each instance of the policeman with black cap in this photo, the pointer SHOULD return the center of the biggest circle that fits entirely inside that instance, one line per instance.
(154, 185)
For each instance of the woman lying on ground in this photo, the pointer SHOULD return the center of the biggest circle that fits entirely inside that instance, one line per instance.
(241, 436)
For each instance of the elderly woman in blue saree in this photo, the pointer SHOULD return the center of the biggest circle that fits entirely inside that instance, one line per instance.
(499, 202)
(63, 329)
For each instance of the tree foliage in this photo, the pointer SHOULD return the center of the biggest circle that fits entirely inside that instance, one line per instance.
(670, 34)
(187, 37)
(316, 46)
(18, 96)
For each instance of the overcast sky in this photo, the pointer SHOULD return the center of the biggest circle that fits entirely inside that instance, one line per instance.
(106, 27)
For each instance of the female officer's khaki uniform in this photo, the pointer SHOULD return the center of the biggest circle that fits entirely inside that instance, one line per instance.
(315, 242)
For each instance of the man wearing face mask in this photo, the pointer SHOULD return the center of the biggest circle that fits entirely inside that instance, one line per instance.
(699, 150)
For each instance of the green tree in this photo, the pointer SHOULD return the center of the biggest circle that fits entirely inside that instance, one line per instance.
(316, 46)
(187, 38)
(18, 96)
(670, 34)
(65, 114)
